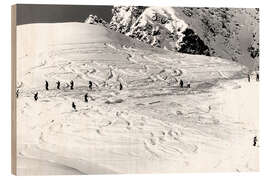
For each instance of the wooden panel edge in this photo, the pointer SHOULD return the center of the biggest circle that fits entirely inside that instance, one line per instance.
(13, 91)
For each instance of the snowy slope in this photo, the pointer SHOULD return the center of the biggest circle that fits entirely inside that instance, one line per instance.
(150, 126)
(231, 33)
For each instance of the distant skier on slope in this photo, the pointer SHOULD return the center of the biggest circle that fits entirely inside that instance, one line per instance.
(120, 86)
(17, 93)
(209, 108)
(58, 84)
(71, 84)
(255, 141)
(188, 85)
(46, 85)
(257, 77)
(248, 78)
(90, 85)
(181, 83)
(86, 97)
(74, 106)
(36, 96)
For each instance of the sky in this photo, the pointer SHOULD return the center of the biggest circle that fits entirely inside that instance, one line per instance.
(30, 13)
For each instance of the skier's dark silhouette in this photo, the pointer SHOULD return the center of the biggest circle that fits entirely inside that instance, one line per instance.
(74, 106)
(188, 85)
(181, 83)
(86, 97)
(120, 87)
(248, 78)
(17, 93)
(90, 85)
(46, 85)
(58, 84)
(209, 108)
(257, 77)
(36, 96)
(255, 141)
(71, 84)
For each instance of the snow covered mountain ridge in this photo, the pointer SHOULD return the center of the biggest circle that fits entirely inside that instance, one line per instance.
(158, 26)
(93, 19)
(231, 33)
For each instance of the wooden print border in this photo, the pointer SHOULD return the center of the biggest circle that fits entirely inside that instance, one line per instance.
(13, 90)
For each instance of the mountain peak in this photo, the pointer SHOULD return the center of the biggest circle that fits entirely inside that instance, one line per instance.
(231, 33)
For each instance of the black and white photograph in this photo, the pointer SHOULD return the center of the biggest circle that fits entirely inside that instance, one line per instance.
(135, 89)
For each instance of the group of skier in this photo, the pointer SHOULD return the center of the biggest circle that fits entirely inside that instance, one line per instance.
(58, 85)
(71, 85)
(90, 85)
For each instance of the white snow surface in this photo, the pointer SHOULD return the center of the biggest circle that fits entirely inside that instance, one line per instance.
(151, 126)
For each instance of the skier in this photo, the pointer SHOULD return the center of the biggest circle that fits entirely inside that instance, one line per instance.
(46, 85)
(71, 84)
(257, 77)
(17, 93)
(255, 141)
(248, 78)
(181, 83)
(86, 97)
(120, 86)
(74, 106)
(188, 85)
(90, 85)
(36, 96)
(209, 108)
(58, 84)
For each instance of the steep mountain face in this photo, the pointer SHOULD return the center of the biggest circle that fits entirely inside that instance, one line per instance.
(231, 33)
(124, 17)
(159, 27)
